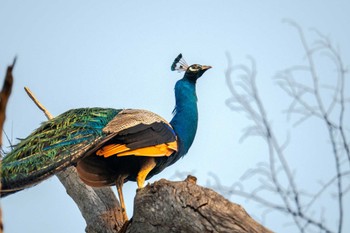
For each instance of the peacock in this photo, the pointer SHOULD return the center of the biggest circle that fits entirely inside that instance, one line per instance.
(108, 146)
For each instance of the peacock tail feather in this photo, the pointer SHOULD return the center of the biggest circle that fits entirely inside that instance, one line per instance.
(57, 143)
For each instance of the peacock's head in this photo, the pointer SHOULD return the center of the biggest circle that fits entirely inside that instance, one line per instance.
(195, 71)
(192, 72)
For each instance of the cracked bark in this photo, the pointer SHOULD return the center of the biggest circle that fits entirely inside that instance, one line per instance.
(166, 206)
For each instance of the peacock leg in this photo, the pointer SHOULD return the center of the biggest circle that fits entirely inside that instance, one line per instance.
(147, 165)
(119, 184)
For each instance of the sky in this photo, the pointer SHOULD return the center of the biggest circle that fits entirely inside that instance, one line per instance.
(118, 54)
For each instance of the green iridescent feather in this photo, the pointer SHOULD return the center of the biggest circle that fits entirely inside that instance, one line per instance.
(57, 143)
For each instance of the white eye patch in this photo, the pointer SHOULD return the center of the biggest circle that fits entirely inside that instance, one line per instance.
(194, 68)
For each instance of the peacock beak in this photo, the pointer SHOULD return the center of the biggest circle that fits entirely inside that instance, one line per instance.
(206, 67)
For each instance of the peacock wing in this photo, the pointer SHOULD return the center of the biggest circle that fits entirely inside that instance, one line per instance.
(131, 133)
(58, 143)
(140, 133)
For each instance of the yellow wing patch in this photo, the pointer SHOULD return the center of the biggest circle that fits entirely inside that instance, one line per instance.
(164, 149)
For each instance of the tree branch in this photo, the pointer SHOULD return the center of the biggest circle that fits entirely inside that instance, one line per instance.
(173, 207)
(38, 104)
(99, 207)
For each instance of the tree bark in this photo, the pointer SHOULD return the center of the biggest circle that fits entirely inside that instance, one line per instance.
(99, 206)
(166, 206)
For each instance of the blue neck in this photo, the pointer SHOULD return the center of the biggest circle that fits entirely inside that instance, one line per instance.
(185, 120)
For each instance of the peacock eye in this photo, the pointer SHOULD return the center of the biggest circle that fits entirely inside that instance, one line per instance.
(194, 68)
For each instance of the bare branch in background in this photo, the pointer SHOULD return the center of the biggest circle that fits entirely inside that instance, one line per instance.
(334, 126)
(307, 102)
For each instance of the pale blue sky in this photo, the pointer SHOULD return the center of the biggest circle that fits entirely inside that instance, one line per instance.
(118, 54)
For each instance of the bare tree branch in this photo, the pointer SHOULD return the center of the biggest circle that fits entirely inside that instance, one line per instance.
(322, 44)
(261, 125)
(38, 104)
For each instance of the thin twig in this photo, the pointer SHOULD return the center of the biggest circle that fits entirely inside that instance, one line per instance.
(38, 104)
(323, 189)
